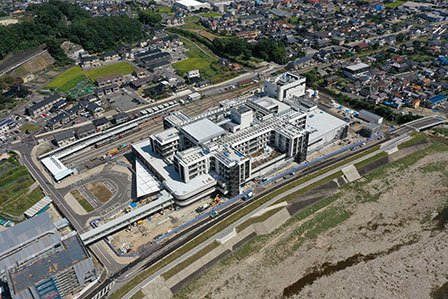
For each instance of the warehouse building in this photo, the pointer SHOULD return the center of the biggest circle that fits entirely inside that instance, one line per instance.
(192, 5)
(370, 117)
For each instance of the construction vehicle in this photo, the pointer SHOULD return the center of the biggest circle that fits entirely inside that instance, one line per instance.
(113, 152)
(140, 221)
(216, 200)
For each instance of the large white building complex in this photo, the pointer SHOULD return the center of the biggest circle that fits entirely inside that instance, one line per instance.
(224, 148)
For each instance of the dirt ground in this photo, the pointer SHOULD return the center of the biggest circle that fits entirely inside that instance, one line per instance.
(100, 191)
(381, 238)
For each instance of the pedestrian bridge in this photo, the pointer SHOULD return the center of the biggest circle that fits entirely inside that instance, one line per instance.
(121, 222)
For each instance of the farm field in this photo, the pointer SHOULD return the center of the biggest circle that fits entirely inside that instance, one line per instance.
(18, 191)
(68, 79)
(73, 77)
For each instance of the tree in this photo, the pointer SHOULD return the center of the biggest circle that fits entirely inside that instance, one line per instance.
(270, 49)
(150, 17)
(400, 37)
(55, 50)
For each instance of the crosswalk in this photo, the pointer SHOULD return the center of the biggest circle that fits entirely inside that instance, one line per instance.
(104, 291)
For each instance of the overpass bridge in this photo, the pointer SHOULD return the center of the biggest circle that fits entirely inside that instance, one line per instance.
(121, 222)
(425, 122)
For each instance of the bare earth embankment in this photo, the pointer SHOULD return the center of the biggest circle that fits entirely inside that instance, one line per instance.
(384, 236)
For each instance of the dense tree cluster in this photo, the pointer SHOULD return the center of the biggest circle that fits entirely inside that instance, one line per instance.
(267, 49)
(52, 22)
(150, 17)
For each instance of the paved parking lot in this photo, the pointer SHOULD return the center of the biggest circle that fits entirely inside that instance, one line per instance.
(124, 100)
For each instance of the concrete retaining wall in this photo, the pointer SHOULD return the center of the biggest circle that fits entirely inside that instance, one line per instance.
(270, 224)
(181, 279)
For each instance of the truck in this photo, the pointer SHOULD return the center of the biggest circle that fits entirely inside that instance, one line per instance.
(248, 196)
(202, 208)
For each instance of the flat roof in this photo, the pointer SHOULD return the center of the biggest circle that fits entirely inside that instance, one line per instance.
(171, 178)
(26, 239)
(167, 136)
(320, 123)
(38, 206)
(56, 168)
(203, 130)
(357, 67)
(191, 3)
(24, 277)
(265, 102)
(146, 182)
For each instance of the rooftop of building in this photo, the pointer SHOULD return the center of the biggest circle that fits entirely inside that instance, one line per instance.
(167, 136)
(320, 123)
(192, 154)
(203, 130)
(171, 178)
(265, 102)
(20, 242)
(287, 78)
(24, 277)
(357, 67)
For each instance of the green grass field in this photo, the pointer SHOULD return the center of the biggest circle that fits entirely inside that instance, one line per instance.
(15, 183)
(190, 64)
(204, 60)
(211, 14)
(395, 4)
(82, 201)
(68, 79)
(119, 68)
(29, 127)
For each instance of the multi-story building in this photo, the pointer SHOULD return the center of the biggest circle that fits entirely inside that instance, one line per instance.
(226, 147)
(38, 262)
(285, 86)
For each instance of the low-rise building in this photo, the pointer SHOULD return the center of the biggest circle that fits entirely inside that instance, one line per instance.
(43, 106)
(64, 138)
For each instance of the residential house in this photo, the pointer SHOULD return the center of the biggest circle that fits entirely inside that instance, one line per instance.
(64, 138)
(43, 106)
(85, 131)
(101, 124)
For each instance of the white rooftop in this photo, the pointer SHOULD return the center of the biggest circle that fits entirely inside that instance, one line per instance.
(265, 102)
(320, 123)
(38, 206)
(191, 3)
(203, 130)
(171, 178)
(146, 182)
(56, 168)
(357, 67)
(167, 136)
